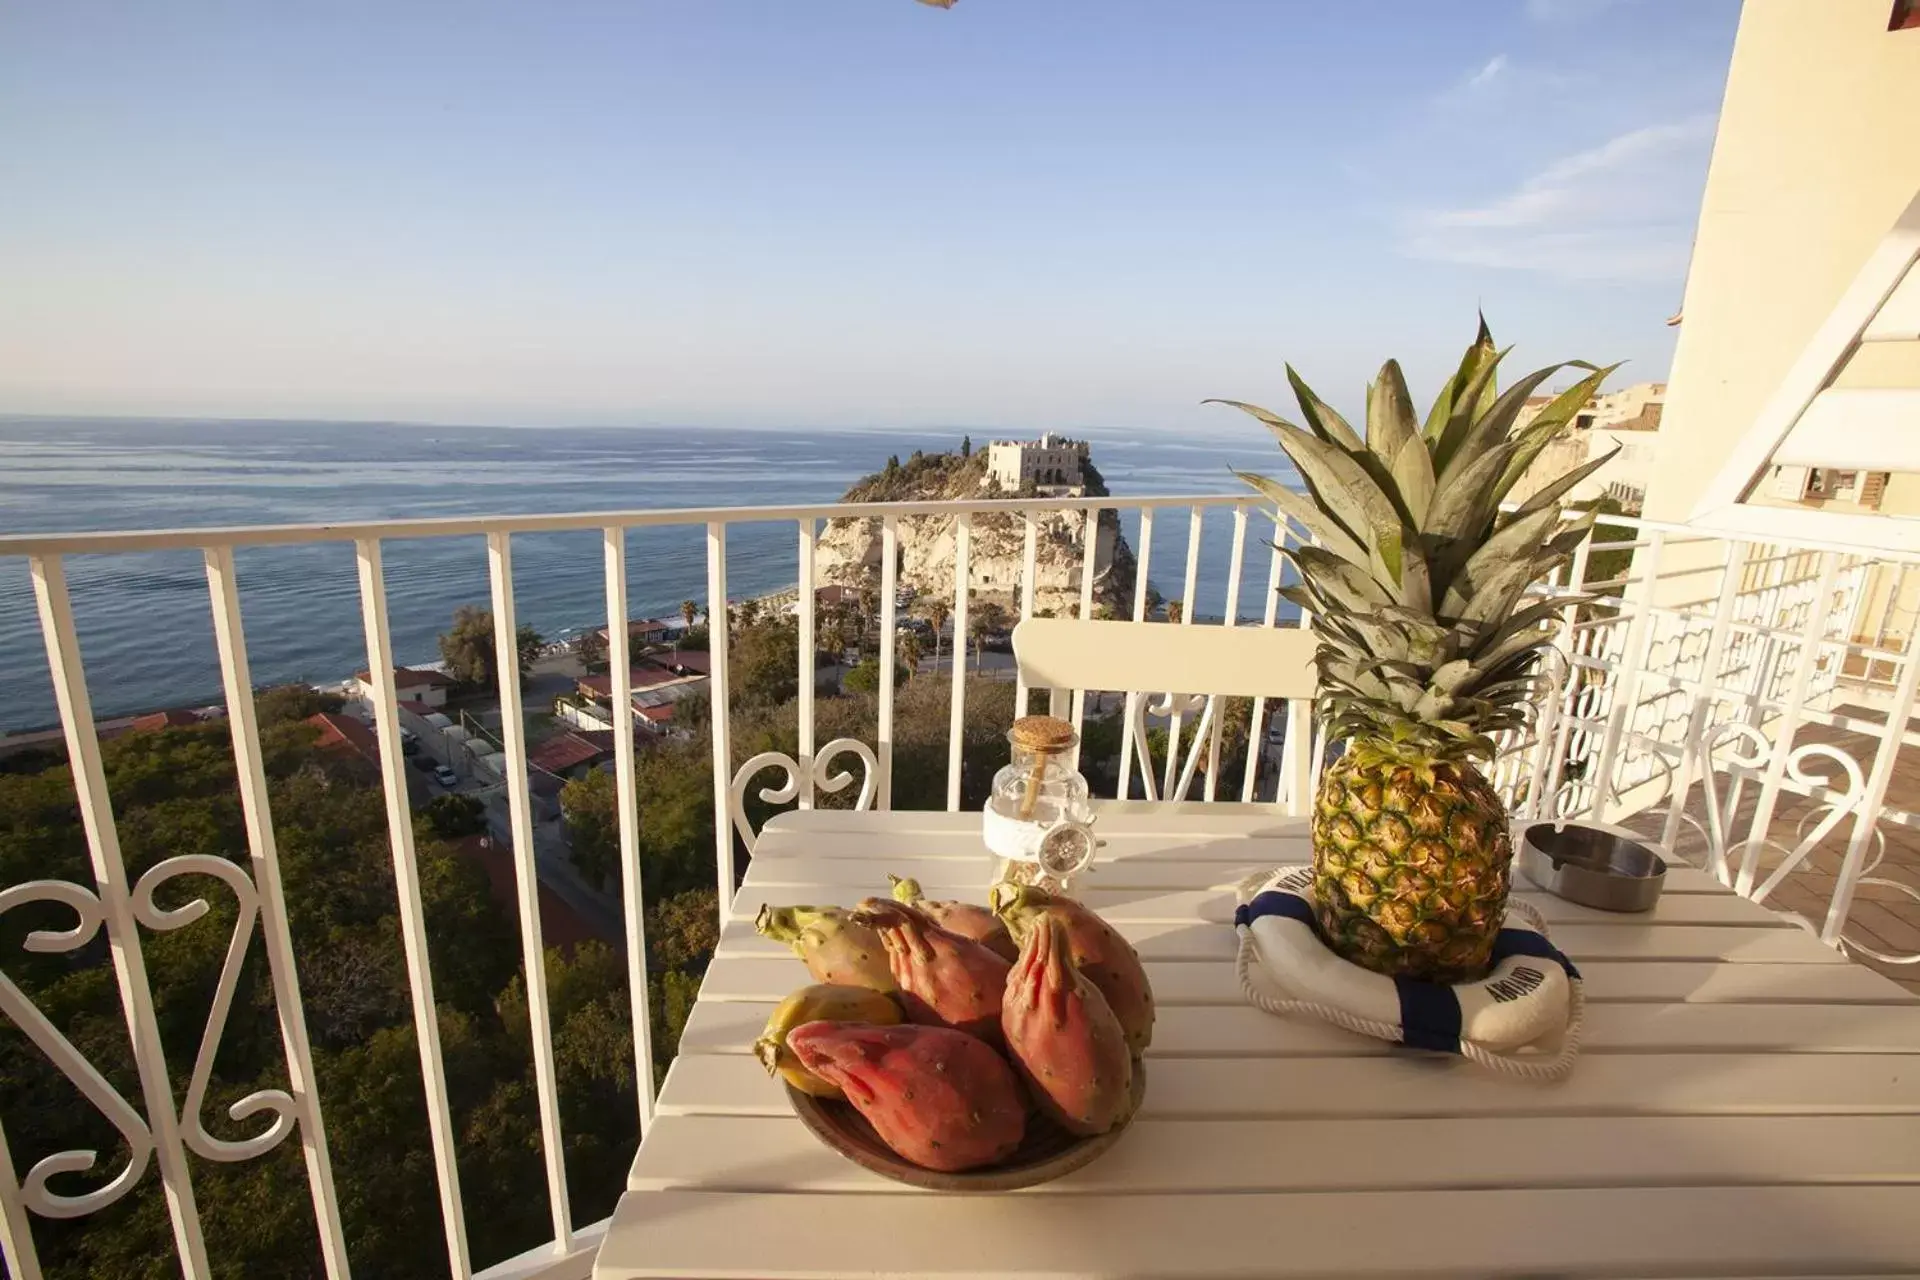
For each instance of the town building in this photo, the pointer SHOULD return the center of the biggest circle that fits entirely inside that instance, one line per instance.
(410, 684)
(645, 631)
(1050, 463)
(1623, 423)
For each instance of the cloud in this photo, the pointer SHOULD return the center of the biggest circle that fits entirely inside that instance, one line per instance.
(1489, 73)
(1623, 210)
(1500, 80)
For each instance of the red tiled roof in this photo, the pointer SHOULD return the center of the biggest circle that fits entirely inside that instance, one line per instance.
(566, 751)
(344, 733)
(696, 662)
(656, 715)
(411, 677)
(560, 925)
(153, 722)
(651, 673)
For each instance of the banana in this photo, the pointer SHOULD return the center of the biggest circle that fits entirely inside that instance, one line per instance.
(821, 1002)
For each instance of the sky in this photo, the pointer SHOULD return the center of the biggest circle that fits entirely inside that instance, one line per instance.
(1035, 214)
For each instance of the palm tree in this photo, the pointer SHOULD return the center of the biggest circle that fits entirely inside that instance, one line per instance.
(936, 612)
(907, 650)
(688, 612)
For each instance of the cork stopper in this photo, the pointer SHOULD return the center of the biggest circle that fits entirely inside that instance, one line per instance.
(1042, 734)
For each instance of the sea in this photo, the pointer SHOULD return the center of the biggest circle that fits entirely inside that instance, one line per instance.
(145, 630)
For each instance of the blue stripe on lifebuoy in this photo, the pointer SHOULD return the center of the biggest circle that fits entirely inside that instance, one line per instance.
(1525, 942)
(1429, 1015)
(1273, 903)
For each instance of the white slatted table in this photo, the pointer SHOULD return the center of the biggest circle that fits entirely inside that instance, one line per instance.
(1748, 1102)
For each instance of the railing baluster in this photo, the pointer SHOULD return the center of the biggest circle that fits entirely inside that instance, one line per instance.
(721, 696)
(244, 730)
(1312, 733)
(633, 899)
(406, 877)
(957, 725)
(1089, 558)
(1627, 690)
(809, 669)
(1139, 615)
(1236, 563)
(1812, 632)
(1692, 757)
(1570, 697)
(16, 1229)
(526, 874)
(1029, 567)
(1885, 757)
(103, 846)
(1170, 769)
(889, 624)
(1256, 723)
(1235, 558)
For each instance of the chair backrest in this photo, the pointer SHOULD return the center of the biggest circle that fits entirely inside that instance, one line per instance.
(1207, 661)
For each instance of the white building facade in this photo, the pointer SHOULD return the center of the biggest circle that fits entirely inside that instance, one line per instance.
(1051, 462)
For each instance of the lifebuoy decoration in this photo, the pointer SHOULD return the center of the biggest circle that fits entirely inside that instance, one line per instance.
(1523, 1018)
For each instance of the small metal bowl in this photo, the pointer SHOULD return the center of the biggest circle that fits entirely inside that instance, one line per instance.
(1594, 866)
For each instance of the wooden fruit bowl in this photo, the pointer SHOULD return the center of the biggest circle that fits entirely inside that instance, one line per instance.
(1047, 1152)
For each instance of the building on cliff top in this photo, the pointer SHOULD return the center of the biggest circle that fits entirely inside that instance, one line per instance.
(1050, 463)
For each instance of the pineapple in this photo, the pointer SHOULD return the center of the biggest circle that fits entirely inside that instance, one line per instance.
(1427, 648)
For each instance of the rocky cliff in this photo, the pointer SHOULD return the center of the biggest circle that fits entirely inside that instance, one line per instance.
(849, 550)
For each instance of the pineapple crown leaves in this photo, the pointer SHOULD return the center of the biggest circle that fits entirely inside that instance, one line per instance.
(1417, 583)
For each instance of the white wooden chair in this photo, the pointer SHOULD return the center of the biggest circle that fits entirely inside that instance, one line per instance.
(1204, 663)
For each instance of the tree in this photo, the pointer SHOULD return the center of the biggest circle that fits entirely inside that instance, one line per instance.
(590, 647)
(453, 817)
(865, 676)
(907, 650)
(1175, 611)
(683, 930)
(175, 793)
(688, 612)
(593, 826)
(937, 613)
(966, 446)
(290, 702)
(986, 618)
(830, 639)
(765, 663)
(468, 649)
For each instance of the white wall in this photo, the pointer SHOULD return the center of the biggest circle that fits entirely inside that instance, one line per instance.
(1818, 150)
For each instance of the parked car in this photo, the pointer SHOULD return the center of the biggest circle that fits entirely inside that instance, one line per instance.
(409, 742)
(445, 776)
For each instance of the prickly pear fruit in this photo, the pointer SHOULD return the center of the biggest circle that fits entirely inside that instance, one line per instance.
(821, 1002)
(1063, 1038)
(939, 1098)
(968, 919)
(835, 949)
(945, 980)
(1105, 958)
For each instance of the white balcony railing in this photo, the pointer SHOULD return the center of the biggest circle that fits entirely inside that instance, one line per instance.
(1689, 697)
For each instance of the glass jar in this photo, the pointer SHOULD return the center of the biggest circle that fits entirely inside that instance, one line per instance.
(1038, 819)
